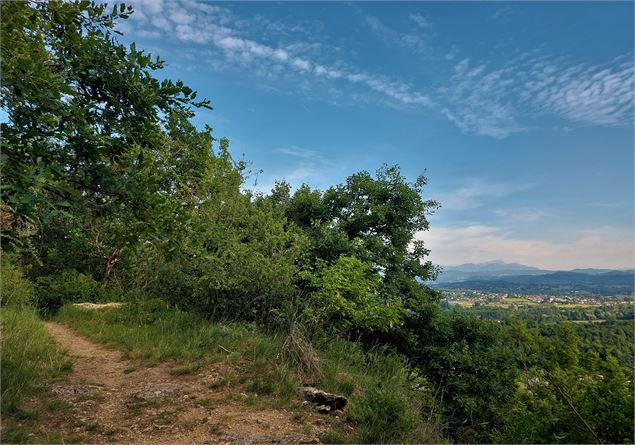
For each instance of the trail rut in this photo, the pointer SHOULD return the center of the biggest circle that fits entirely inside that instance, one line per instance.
(115, 401)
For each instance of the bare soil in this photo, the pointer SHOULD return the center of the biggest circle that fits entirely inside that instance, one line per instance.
(115, 401)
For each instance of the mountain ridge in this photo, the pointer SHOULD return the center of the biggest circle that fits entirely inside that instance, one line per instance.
(499, 276)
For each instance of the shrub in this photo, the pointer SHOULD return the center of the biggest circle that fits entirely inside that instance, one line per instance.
(382, 415)
(348, 297)
(69, 286)
(15, 290)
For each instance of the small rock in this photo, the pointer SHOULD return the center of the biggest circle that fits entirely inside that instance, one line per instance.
(324, 409)
(97, 305)
(333, 401)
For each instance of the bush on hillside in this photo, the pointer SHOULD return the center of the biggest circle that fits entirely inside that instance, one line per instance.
(69, 286)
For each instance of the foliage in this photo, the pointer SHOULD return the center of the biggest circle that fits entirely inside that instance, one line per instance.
(15, 290)
(469, 366)
(613, 338)
(363, 251)
(69, 286)
(109, 190)
(347, 295)
(78, 103)
(560, 400)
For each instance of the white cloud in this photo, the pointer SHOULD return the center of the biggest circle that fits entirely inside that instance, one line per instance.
(590, 94)
(491, 102)
(207, 24)
(478, 98)
(411, 41)
(521, 214)
(603, 247)
(478, 192)
(420, 20)
(299, 152)
(298, 165)
(450, 55)
(476, 101)
(505, 10)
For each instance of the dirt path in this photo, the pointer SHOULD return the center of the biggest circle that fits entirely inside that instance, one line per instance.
(116, 402)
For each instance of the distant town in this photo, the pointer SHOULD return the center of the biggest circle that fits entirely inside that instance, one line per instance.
(470, 298)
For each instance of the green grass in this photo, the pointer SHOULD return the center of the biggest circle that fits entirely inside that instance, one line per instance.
(382, 408)
(30, 357)
(150, 333)
(186, 369)
(30, 362)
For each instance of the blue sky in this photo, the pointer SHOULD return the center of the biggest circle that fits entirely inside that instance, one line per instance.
(521, 114)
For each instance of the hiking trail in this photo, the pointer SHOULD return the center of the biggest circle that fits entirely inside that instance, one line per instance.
(117, 401)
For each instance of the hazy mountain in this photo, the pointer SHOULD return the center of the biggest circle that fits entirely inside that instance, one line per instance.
(514, 277)
(603, 283)
(490, 269)
(595, 271)
(490, 266)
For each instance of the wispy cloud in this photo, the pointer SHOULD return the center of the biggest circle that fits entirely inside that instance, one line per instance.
(300, 152)
(478, 192)
(501, 12)
(589, 94)
(204, 24)
(479, 98)
(297, 165)
(606, 247)
(492, 102)
(521, 214)
(476, 103)
(421, 20)
(412, 41)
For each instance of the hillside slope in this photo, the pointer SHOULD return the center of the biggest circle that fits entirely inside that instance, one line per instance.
(146, 373)
(126, 404)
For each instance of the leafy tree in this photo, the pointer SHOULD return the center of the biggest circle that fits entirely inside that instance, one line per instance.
(559, 401)
(347, 296)
(85, 117)
(469, 365)
(369, 223)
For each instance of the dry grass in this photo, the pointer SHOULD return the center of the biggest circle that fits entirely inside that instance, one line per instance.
(300, 354)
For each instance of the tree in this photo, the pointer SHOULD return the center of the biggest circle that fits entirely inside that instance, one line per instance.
(85, 115)
(374, 220)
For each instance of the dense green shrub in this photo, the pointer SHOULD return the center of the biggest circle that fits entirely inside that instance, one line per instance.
(69, 286)
(347, 295)
(382, 415)
(469, 365)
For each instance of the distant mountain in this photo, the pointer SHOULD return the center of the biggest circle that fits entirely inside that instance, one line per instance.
(602, 283)
(492, 270)
(595, 271)
(490, 266)
(487, 270)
